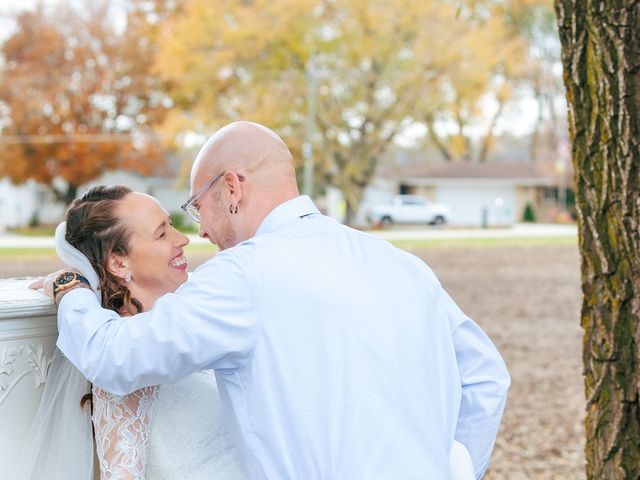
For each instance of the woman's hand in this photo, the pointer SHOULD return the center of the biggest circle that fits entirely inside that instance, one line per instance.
(46, 283)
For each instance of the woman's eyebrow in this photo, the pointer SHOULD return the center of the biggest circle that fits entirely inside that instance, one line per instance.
(162, 225)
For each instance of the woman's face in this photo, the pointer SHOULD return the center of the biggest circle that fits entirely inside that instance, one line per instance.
(156, 259)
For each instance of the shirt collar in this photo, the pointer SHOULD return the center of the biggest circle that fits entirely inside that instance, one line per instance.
(297, 207)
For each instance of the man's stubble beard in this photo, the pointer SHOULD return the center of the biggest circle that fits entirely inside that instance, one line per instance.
(227, 237)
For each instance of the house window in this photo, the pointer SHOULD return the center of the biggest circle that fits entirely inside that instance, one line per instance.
(412, 200)
(407, 189)
(550, 194)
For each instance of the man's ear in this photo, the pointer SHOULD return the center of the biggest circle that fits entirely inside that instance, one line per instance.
(233, 185)
(117, 266)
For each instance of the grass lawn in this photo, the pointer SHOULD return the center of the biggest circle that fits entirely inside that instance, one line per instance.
(42, 253)
(37, 253)
(50, 230)
(483, 242)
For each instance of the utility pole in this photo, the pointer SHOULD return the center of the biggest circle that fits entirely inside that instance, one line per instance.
(307, 147)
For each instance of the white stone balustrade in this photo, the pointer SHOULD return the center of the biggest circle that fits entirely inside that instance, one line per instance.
(28, 333)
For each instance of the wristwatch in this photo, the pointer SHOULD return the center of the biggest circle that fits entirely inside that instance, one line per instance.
(67, 280)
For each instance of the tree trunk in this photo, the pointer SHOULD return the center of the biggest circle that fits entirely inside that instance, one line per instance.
(601, 59)
(67, 195)
(488, 139)
(352, 194)
(349, 214)
(534, 146)
(435, 138)
(71, 194)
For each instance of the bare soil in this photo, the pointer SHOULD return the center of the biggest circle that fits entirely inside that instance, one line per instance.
(527, 299)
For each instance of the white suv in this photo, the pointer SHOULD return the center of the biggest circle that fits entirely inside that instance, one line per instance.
(409, 209)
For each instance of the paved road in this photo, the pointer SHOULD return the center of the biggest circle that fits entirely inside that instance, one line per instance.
(524, 230)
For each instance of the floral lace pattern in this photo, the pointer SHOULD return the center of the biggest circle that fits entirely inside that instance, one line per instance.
(168, 432)
(122, 426)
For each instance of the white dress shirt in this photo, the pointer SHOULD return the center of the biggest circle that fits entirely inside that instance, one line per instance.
(337, 355)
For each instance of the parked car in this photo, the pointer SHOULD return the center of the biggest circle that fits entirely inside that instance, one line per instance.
(409, 209)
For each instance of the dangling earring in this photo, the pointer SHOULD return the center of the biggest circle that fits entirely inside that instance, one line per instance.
(231, 209)
(127, 277)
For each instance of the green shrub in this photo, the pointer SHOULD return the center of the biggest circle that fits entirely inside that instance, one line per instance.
(34, 221)
(182, 223)
(529, 214)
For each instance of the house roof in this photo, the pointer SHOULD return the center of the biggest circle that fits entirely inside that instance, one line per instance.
(520, 173)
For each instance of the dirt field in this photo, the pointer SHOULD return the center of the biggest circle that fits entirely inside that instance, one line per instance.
(527, 298)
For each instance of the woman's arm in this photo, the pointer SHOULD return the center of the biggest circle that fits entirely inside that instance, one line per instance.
(122, 426)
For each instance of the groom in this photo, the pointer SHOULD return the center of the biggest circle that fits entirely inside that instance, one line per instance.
(337, 355)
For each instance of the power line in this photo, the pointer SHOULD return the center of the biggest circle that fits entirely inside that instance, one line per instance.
(71, 138)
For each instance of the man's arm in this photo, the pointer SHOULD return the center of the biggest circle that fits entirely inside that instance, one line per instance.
(207, 323)
(485, 383)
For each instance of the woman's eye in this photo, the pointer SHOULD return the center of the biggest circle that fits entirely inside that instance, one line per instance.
(163, 234)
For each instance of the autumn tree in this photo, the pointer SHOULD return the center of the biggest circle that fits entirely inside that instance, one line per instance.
(365, 69)
(486, 66)
(601, 58)
(535, 20)
(77, 98)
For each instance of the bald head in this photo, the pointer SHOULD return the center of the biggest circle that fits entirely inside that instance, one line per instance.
(247, 148)
(256, 174)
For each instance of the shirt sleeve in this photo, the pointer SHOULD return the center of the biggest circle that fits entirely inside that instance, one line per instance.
(207, 323)
(485, 383)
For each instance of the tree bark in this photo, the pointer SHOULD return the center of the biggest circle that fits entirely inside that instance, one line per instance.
(601, 59)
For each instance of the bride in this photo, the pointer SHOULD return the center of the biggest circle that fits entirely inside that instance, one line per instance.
(124, 244)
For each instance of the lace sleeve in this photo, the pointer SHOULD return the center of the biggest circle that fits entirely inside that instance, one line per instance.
(122, 425)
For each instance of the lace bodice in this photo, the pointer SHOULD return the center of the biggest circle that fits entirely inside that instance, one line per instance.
(170, 432)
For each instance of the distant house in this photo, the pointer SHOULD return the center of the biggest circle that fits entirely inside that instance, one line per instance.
(21, 205)
(491, 194)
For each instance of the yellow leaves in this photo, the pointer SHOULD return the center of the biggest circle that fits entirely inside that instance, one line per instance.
(383, 63)
(175, 123)
(458, 146)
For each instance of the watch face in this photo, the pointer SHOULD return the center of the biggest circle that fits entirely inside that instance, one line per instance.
(65, 278)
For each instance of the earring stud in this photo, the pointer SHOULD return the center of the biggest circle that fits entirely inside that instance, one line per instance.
(127, 277)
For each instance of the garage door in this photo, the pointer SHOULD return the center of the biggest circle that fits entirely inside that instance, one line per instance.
(471, 203)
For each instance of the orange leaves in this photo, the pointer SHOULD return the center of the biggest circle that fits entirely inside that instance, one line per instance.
(79, 97)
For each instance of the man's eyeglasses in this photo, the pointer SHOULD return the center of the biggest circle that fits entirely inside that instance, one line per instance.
(190, 206)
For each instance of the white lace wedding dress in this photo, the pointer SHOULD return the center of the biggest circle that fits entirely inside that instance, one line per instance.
(168, 432)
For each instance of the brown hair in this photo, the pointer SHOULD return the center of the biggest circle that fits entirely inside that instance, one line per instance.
(95, 230)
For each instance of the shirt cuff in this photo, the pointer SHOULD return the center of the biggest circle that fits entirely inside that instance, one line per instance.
(76, 296)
